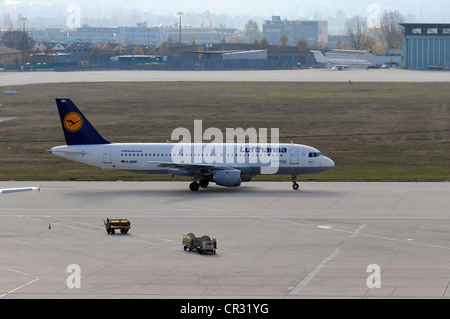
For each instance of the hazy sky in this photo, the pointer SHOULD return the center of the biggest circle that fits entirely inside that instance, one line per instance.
(298, 7)
(285, 8)
(423, 10)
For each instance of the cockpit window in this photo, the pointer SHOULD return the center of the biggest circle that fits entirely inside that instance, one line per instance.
(315, 154)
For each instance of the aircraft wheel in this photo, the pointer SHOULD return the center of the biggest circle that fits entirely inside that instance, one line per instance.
(194, 186)
(295, 186)
(204, 183)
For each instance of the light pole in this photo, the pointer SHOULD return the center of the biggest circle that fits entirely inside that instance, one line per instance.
(179, 45)
(24, 62)
(180, 14)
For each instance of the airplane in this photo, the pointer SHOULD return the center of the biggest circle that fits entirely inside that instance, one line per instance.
(19, 190)
(339, 64)
(84, 144)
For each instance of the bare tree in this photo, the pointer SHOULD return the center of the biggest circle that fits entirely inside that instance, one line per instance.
(390, 31)
(14, 40)
(105, 46)
(264, 44)
(138, 50)
(302, 45)
(357, 31)
(284, 40)
(252, 31)
(118, 50)
(151, 49)
(164, 48)
(96, 52)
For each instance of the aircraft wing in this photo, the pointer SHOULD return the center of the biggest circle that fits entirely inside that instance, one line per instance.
(19, 190)
(194, 167)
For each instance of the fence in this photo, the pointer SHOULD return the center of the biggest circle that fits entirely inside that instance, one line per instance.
(273, 63)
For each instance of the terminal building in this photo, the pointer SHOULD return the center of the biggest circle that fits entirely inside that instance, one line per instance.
(426, 46)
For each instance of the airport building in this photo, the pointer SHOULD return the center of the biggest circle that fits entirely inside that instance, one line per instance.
(140, 34)
(336, 41)
(7, 55)
(310, 30)
(426, 46)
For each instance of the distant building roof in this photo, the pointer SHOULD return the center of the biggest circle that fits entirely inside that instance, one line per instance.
(426, 28)
(7, 50)
(57, 47)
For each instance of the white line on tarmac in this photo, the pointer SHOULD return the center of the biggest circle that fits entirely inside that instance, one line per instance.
(305, 281)
(22, 273)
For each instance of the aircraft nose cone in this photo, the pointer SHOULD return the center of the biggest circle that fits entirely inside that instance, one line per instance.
(329, 163)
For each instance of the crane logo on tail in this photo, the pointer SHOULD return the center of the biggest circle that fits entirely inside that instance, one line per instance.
(73, 122)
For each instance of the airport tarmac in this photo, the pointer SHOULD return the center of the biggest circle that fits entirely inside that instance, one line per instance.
(299, 75)
(324, 241)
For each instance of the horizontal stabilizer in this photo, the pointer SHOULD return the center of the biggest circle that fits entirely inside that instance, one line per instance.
(19, 190)
(82, 153)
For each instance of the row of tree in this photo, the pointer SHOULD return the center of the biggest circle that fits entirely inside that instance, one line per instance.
(137, 49)
(386, 35)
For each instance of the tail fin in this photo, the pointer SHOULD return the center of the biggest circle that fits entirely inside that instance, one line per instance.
(77, 129)
(320, 58)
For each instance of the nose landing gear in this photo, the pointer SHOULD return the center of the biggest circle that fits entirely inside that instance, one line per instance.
(294, 182)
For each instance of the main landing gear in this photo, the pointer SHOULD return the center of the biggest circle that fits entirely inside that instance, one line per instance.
(294, 182)
(194, 186)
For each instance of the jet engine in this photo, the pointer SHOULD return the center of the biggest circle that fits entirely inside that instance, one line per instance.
(229, 178)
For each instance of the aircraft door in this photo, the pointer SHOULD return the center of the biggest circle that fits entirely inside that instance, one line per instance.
(107, 154)
(294, 155)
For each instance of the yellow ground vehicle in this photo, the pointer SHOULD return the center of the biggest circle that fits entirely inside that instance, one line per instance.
(117, 223)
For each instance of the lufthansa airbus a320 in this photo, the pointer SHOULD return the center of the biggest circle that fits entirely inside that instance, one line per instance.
(226, 164)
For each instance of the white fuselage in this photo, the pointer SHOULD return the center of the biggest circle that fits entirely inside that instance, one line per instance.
(155, 158)
(349, 62)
